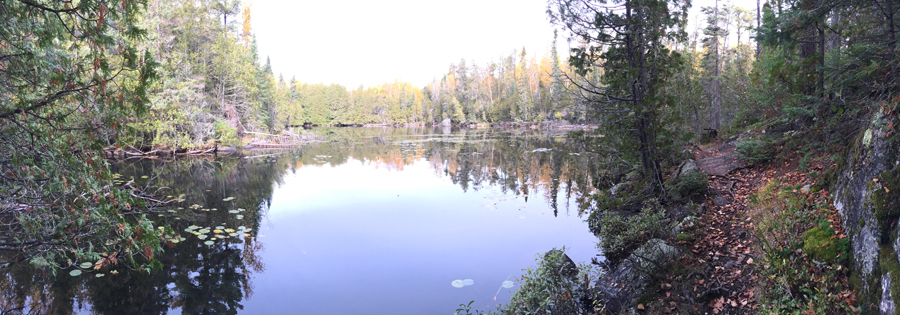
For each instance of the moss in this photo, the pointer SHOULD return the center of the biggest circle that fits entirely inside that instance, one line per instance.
(682, 237)
(886, 200)
(887, 262)
(819, 244)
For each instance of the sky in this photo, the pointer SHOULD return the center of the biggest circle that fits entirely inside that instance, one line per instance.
(354, 43)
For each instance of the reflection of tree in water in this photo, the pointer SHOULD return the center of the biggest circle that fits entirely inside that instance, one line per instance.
(520, 162)
(197, 278)
(215, 279)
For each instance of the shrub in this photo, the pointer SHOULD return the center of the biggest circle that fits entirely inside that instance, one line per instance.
(688, 185)
(546, 290)
(621, 234)
(755, 151)
(225, 134)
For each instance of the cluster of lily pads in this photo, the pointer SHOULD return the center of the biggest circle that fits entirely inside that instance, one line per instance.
(462, 283)
(218, 233)
(174, 239)
(88, 266)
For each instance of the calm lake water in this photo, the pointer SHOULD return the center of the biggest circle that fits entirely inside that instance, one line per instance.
(374, 221)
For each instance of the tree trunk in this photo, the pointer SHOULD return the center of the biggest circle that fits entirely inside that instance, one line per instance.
(717, 98)
(758, 25)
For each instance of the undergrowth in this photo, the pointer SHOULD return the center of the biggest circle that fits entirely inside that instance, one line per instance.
(805, 265)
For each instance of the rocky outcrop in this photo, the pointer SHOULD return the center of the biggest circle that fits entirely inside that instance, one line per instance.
(865, 200)
(567, 267)
(619, 288)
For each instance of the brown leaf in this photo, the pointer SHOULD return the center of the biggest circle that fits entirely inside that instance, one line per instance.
(749, 260)
(640, 307)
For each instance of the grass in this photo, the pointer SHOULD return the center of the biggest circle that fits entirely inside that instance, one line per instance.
(805, 265)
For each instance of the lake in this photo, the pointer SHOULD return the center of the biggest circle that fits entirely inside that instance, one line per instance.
(371, 221)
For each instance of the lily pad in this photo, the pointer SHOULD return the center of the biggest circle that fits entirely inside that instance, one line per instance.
(99, 275)
(508, 284)
(457, 284)
(217, 231)
(232, 234)
(209, 242)
(86, 265)
(229, 230)
(233, 211)
(220, 227)
(202, 237)
(204, 231)
(247, 234)
(468, 282)
(239, 216)
(75, 273)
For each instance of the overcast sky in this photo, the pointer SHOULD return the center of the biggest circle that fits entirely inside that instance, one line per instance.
(368, 42)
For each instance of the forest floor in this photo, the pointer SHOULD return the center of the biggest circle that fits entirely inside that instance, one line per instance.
(723, 268)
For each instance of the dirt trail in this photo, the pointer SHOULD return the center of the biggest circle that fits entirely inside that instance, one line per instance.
(725, 252)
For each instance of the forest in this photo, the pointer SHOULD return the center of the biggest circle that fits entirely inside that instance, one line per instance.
(806, 84)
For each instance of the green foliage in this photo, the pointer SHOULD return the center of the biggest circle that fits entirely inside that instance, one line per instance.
(545, 290)
(688, 185)
(466, 309)
(755, 151)
(805, 269)
(620, 234)
(72, 78)
(225, 134)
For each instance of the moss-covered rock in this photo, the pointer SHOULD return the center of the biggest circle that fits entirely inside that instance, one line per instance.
(818, 243)
(886, 199)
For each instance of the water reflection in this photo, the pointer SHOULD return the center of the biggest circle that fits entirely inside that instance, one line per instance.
(367, 216)
(518, 161)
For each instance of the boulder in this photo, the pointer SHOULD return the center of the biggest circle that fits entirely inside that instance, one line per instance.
(567, 267)
(619, 288)
(445, 123)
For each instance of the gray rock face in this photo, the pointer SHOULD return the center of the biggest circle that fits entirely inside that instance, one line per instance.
(619, 288)
(445, 123)
(868, 157)
(887, 304)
